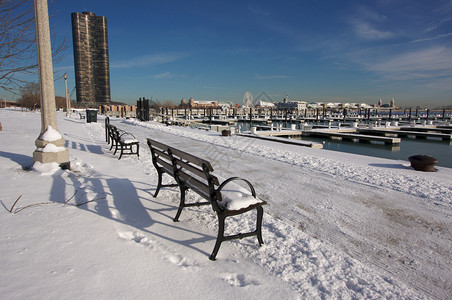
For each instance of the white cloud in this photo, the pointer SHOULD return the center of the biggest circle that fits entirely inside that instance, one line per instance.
(165, 75)
(365, 30)
(168, 75)
(258, 76)
(147, 60)
(258, 11)
(433, 62)
(213, 87)
(439, 36)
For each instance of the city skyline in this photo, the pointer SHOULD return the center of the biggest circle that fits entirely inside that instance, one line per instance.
(351, 51)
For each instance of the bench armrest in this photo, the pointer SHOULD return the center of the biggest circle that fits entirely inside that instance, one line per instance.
(224, 183)
(126, 133)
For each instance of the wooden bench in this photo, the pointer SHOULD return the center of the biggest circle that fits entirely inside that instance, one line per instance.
(194, 173)
(121, 140)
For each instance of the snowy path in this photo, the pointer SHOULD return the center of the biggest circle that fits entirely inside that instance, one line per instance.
(337, 225)
(405, 236)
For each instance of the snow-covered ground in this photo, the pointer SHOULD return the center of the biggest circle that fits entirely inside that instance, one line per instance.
(336, 225)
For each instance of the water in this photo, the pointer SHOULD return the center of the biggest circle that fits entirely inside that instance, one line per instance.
(440, 150)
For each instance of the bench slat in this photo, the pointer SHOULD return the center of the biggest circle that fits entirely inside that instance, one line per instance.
(197, 171)
(195, 184)
(157, 145)
(193, 159)
(168, 167)
(162, 154)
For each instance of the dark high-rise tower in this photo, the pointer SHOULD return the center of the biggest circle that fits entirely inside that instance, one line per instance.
(92, 71)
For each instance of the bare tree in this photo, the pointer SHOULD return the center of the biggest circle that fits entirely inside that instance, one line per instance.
(168, 104)
(18, 53)
(29, 96)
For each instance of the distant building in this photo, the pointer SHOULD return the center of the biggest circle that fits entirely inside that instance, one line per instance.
(265, 104)
(291, 104)
(192, 103)
(226, 104)
(92, 70)
(392, 103)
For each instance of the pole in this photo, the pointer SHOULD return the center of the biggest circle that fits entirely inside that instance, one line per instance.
(68, 104)
(59, 155)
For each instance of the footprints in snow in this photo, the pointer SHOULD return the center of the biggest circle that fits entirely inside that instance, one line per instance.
(239, 280)
(153, 245)
(233, 279)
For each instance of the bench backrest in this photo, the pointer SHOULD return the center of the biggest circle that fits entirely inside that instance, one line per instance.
(160, 156)
(194, 173)
(114, 133)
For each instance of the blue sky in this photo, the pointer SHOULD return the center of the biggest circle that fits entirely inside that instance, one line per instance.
(344, 51)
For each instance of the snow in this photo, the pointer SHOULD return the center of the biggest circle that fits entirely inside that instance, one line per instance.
(50, 134)
(128, 139)
(336, 225)
(50, 148)
(235, 197)
(46, 168)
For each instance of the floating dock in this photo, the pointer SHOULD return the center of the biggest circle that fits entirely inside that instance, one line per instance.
(282, 140)
(407, 133)
(429, 129)
(288, 133)
(353, 137)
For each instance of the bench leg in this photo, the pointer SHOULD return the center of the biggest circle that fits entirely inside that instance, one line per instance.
(159, 184)
(181, 204)
(220, 237)
(138, 150)
(122, 151)
(260, 214)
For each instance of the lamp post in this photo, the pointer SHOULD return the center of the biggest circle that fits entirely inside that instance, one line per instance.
(68, 102)
(50, 144)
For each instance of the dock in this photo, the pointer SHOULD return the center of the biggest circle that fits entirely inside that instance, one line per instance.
(287, 133)
(429, 129)
(407, 133)
(283, 140)
(353, 137)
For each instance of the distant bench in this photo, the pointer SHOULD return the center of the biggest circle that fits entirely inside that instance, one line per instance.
(194, 173)
(82, 116)
(121, 140)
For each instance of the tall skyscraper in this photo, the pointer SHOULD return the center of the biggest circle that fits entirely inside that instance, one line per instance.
(92, 70)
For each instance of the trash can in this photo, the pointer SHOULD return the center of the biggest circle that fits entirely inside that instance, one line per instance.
(91, 115)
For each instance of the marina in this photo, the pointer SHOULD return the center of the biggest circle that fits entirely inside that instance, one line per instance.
(385, 133)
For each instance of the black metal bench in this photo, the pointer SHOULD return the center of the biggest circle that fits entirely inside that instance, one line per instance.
(194, 173)
(121, 140)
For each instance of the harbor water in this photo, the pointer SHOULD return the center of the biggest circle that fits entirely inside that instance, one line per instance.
(441, 150)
